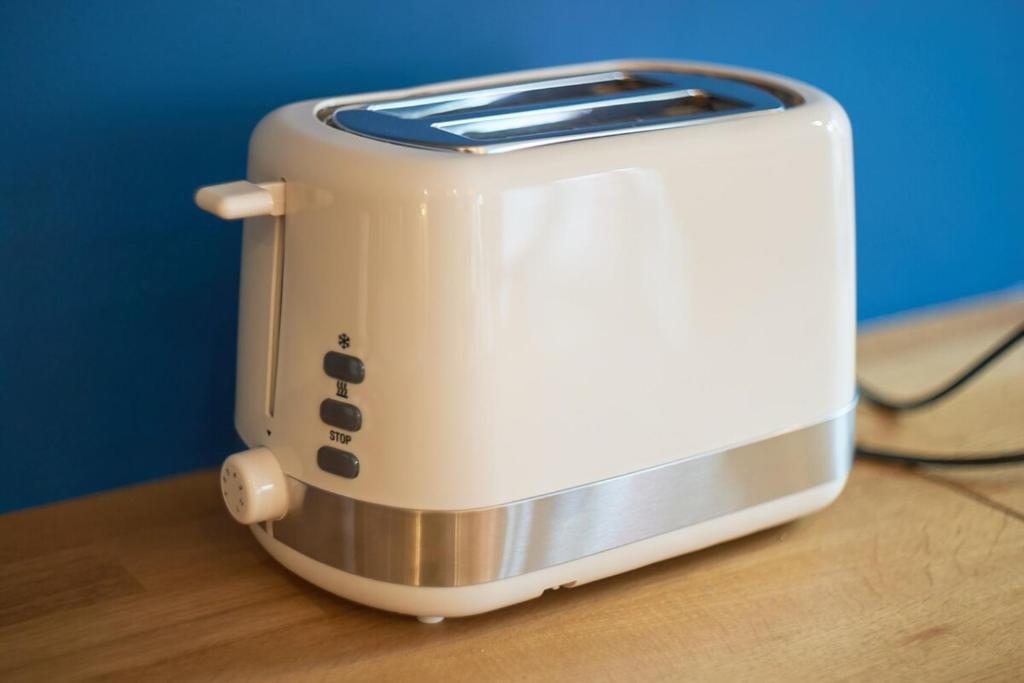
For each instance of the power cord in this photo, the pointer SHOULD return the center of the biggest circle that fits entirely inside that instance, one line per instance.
(961, 379)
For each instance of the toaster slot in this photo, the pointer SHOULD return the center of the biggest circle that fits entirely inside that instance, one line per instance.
(591, 117)
(534, 94)
(512, 116)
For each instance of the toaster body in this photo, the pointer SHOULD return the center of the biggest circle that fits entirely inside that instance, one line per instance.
(519, 333)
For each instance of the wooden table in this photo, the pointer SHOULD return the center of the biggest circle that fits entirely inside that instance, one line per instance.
(910, 575)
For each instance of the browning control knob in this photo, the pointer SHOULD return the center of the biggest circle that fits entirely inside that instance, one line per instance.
(253, 486)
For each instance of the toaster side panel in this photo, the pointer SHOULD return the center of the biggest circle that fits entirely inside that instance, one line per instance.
(376, 257)
(696, 293)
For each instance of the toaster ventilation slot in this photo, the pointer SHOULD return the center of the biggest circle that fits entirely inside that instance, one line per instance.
(517, 115)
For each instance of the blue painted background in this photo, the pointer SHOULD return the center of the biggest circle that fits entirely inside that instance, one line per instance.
(117, 340)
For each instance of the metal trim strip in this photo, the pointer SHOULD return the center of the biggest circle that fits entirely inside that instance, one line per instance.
(465, 547)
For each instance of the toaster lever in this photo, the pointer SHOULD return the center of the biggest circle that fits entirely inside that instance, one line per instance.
(242, 199)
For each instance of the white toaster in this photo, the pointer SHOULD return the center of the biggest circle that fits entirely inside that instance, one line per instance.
(518, 333)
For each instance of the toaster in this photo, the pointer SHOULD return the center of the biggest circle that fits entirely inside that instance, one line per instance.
(518, 333)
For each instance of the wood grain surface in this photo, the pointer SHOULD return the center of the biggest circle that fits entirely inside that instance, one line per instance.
(913, 574)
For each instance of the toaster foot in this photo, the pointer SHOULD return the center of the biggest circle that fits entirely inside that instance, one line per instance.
(430, 620)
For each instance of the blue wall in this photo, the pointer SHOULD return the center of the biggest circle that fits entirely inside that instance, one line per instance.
(117, 343)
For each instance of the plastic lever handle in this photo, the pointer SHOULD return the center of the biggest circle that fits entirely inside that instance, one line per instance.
(242, 199)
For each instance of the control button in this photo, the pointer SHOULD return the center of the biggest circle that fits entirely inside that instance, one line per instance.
(341, 415)
(342, 463)
(344, 367)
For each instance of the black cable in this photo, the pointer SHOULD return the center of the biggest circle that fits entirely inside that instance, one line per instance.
(965, 376)
(959, 460)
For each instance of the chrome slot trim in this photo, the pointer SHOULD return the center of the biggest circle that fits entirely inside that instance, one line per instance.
(464, 547)
(573, 107)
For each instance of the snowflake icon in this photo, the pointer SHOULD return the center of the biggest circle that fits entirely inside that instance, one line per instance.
(344, 341)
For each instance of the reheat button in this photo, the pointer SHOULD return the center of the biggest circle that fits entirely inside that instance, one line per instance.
(344, 367)
(341, 415)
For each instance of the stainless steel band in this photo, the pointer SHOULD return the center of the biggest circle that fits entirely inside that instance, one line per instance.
(459, 548)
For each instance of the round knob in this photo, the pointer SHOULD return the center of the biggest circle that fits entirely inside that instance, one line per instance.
(254, 486)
